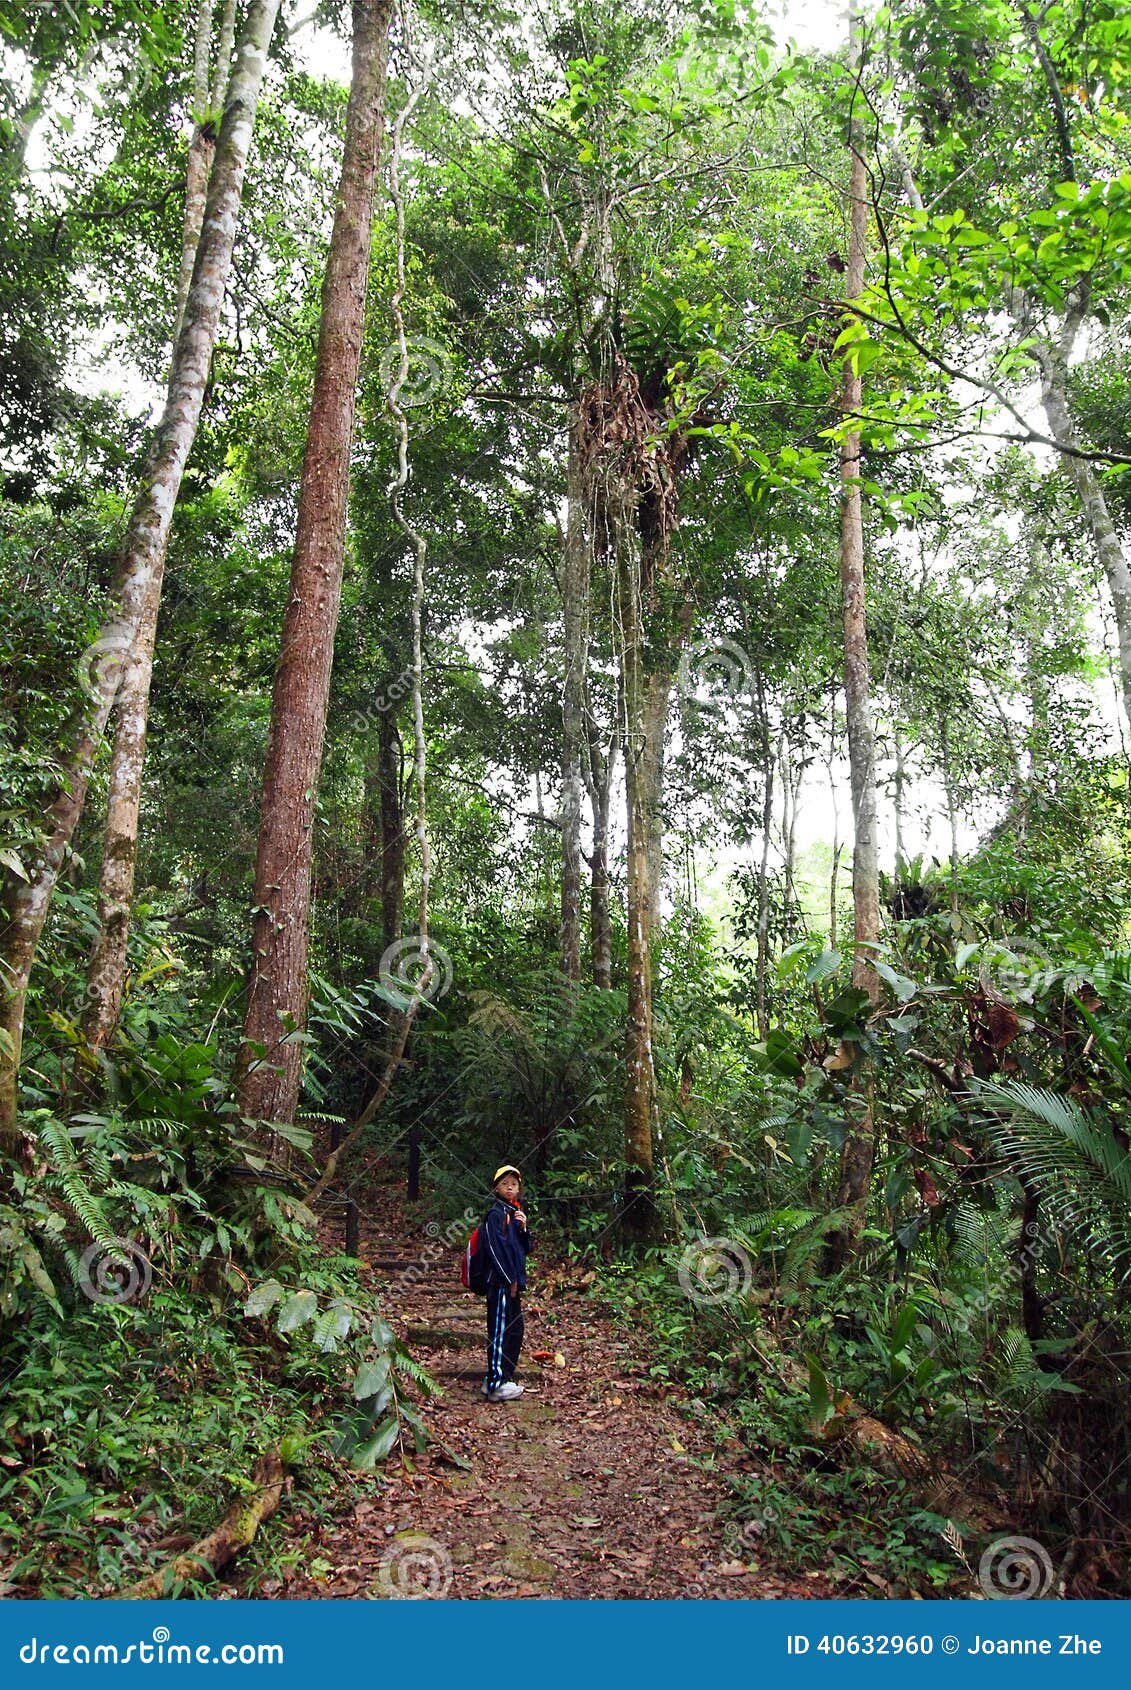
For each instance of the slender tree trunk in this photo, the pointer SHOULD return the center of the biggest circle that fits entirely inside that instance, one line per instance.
(1053, 364)
(639, 1219)
(670, 633)
(951, 809)
(198, 164)
(222, 66)
(270, 1064)
(834, 871)
(106, 970)
(391, 788)
(897, 799)
(762, 956)
(599, 781)
(792, 776)
(575, 642)
(142, 556)
(657, 700)
(858, 1150)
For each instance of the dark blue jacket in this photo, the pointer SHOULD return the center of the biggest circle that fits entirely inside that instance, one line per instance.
(506, 1243)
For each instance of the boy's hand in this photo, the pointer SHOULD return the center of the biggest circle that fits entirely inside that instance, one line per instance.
(514, 1289)
(520, 1217)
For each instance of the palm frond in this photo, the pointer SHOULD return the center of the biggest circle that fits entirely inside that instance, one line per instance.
(1080, 1168)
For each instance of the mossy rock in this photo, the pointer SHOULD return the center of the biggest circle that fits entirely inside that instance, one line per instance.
(522, 1564)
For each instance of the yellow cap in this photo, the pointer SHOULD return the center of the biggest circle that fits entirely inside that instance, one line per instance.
(507, 1168)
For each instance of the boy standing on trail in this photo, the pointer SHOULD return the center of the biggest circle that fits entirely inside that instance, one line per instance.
(506, 1240)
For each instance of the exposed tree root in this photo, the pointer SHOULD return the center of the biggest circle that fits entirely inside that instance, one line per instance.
(235, 1531)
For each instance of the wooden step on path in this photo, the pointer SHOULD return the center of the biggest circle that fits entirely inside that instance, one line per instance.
(423, 1293)
(436, 1338)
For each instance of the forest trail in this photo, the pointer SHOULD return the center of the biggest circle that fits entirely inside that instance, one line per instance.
(586, 1487)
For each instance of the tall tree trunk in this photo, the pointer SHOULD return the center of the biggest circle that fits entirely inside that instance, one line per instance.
(1052, 360)
(201, 150)
(657, 700)
(106, 970)
(575, 651)
(897, 800)
(143, 552)
(858, 1150)
(762, 955)
(639, 1219)
(792, 777)
(599, 780)
(834, 869)
(270, 1064)
(951, 809)
(391, 785)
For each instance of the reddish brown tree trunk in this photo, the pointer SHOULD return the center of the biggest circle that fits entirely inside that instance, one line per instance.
(270, 1064)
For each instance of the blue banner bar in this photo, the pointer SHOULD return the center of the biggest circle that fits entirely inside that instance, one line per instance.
(413, 1645)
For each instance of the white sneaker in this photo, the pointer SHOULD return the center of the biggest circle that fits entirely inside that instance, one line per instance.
(505, 1393)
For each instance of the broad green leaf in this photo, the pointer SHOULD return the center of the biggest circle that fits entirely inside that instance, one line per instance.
(296, 1311)
(263, 1297)
(379, 1445)
(371, 1375)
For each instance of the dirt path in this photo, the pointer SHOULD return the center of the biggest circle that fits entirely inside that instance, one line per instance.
(587, 1486)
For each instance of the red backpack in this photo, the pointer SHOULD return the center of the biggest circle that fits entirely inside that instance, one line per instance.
(473, 1266)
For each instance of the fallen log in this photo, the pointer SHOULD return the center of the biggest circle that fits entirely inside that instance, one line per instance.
(898, 1458)
(235, 1531)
